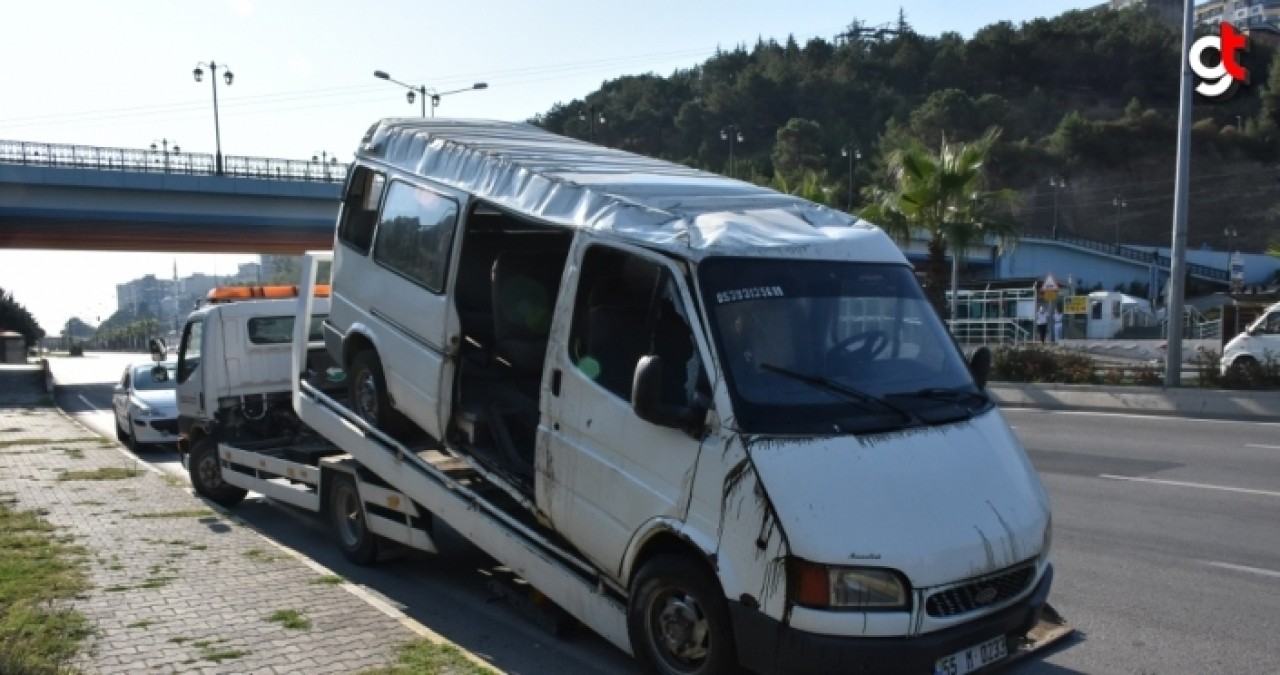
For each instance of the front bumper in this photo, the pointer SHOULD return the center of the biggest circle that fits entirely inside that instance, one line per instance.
(767, 646)
(155, 429)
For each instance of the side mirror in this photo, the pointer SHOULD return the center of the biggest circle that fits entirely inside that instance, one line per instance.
(646, 399)
(119, 388)
(980, 367)
(159, 350)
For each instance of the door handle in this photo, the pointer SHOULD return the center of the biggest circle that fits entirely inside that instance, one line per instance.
(555, 382)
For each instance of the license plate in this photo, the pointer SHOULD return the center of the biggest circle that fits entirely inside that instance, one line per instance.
(973, 658)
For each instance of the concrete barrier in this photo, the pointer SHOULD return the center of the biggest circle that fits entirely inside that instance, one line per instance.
(1254, 406)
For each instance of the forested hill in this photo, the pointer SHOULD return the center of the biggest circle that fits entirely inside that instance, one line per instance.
(1090, 96)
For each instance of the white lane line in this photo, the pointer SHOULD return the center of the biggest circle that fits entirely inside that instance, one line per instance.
(86, 402)
(1202, 486)
(1242, 568)
(1262, 447)
(1137, 416)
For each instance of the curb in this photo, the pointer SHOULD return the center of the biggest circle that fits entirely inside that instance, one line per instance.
(1244, 406)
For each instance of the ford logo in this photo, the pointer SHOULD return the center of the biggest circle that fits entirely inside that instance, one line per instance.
(985, 596)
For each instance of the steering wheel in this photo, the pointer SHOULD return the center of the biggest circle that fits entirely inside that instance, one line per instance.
(859, 347)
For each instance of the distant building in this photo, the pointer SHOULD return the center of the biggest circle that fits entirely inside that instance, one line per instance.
(1169, 11)
(145, 295)
(1255, 18)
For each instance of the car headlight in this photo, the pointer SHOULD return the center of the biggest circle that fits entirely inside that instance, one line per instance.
(827, 586)
(141, 409)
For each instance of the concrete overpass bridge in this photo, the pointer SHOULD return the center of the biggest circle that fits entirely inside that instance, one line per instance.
(83, 197)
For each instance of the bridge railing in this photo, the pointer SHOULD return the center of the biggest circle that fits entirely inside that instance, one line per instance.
(141, 160)
(1161, 261)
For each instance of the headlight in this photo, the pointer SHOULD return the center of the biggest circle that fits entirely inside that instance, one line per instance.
(815, 585)
(141, 409)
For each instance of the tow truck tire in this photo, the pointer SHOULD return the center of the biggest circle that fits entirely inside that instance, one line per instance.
(206, 474)
(369, 395)
(678, 621)
(346, 517)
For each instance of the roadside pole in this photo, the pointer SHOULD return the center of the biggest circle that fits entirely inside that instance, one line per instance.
(1178, 252)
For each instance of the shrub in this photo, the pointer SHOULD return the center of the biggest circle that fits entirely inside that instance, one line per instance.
(1250, 374)
(1035, 364)
(77, 349)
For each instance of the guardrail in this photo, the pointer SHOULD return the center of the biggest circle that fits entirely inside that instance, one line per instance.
(1149, 257)
(989, 331)
(140, 160)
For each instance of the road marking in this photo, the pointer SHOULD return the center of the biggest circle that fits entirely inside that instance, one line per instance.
(86, 402)
(1202, 486)
(1243, 568)
(1137, 416)
(1263, 447)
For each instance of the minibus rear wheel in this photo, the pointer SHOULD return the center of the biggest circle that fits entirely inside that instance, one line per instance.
(678, 621)
(369, 397)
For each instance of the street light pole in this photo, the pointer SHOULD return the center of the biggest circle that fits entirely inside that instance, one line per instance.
(1119, 202)
(164, 148)
(217, 130)
(590, 116)
(424, 92)
(326, 161)
(852, 154)
(731, 133)
(1057, 183)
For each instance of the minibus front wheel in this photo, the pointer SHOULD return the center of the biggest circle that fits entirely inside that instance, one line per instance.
(678, 620)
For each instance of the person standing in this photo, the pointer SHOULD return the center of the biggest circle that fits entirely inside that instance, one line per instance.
(1042, 323)
(1057, 326)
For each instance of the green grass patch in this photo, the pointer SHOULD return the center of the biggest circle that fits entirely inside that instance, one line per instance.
(26, 441)
(290, 618)
(261, 556)
(199, 547)
(178, 640)
(188, 513)
(145, 623)
(104, 473)
(73, 453)
(220, 655)
(422, 657)
(36, 572)
(328, 580)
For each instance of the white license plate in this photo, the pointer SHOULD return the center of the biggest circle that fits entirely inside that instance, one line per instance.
(973, 658)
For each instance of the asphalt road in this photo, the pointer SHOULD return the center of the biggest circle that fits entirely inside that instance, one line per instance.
(1166, 547)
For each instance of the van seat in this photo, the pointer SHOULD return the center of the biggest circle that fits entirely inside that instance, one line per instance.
(524, 290)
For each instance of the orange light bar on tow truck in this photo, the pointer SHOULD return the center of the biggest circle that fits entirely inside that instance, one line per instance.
(237, 293)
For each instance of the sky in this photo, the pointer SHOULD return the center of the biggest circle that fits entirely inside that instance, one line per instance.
(119, 74)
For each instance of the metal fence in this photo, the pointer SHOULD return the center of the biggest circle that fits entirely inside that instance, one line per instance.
(168, 161)
(1161, 261)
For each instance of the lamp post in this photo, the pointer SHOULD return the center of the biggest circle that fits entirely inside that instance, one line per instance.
(1119, 203)
(1057, 183)
(591, 115)
(325, 160)
(424, 92)
(852, 154)
(1231, 234)
(164, 148)
(731, 133)
(217, 131)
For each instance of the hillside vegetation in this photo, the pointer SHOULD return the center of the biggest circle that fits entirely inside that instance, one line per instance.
(1089, 96)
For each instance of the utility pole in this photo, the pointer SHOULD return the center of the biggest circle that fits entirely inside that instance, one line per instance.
(1178, 252)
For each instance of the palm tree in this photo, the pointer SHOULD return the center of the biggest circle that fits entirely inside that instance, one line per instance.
(944, 195)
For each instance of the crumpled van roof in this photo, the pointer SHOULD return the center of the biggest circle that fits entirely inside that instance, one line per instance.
(564, 181)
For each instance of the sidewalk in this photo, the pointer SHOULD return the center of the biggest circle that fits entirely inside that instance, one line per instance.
(177, 587)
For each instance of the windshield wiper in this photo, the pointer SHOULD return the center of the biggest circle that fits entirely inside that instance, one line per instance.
(828, 384)
(942, 394)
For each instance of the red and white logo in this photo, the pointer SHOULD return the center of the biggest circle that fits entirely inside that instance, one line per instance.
(1220, 81)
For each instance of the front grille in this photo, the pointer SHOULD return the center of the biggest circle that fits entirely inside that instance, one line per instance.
(167, 426)
(977, 594)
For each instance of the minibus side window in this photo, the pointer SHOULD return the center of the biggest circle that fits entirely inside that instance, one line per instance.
(360, 208)
(415, 234)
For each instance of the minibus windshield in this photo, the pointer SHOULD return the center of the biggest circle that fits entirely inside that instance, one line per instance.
(830, 347)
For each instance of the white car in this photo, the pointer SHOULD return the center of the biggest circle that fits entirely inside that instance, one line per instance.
(146, 404)
(1258, 344)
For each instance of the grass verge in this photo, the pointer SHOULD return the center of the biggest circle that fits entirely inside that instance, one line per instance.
(104, 473)
(291, 619)
(36, 572)
(423, 657)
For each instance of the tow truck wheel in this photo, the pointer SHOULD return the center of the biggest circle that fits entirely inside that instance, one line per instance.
(678, 621)
(369, 395)
(206, 474)
(346, 517)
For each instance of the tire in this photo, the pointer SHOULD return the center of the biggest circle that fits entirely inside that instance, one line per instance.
(346, 518)
(1244, 362)
(369, 397)
(121, 435)
(206, 474)
(678, 621)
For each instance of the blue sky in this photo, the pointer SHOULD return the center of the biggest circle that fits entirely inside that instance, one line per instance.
(118, 74)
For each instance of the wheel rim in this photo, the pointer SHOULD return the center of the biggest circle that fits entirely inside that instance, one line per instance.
(209, 471)
(367, 396)
(679, 630)
(348, 519)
